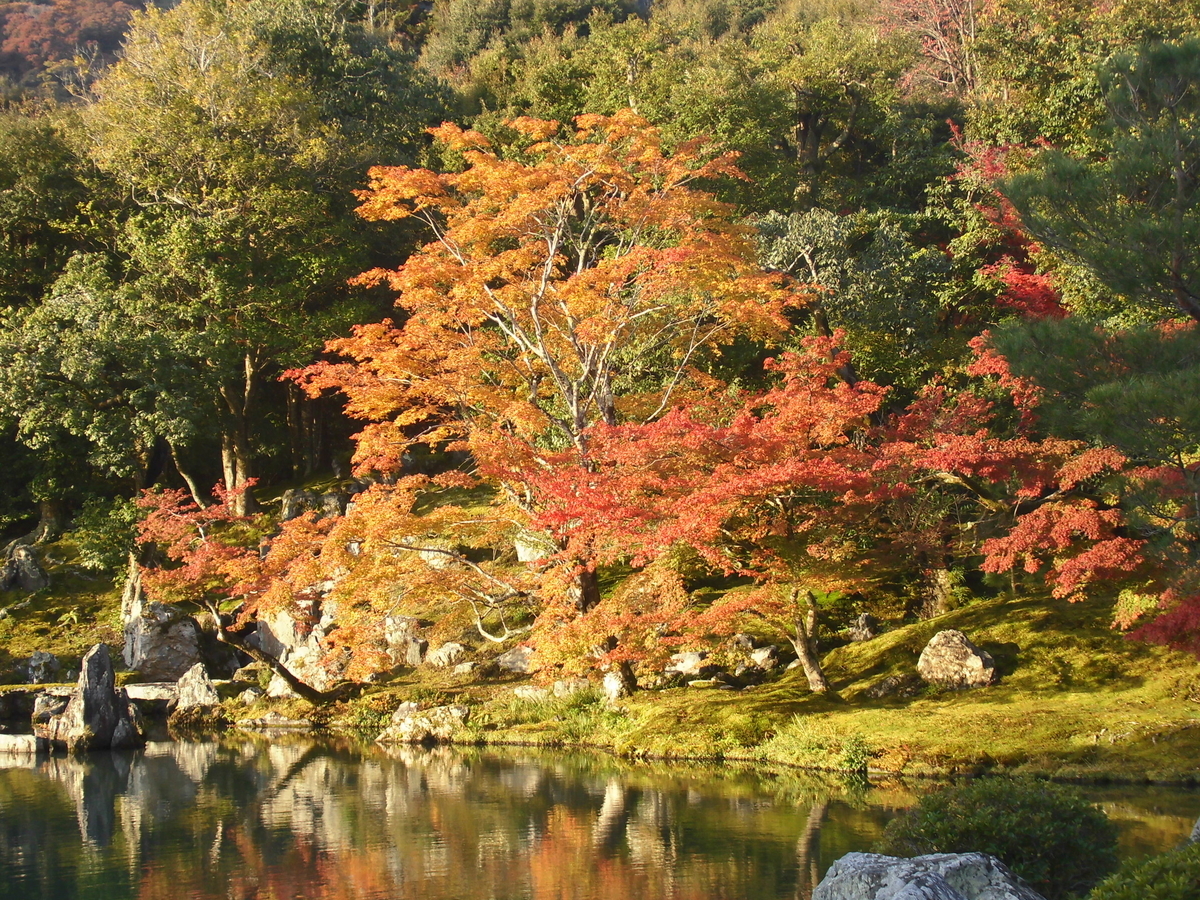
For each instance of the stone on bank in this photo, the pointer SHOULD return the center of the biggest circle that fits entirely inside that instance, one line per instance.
(937, 876)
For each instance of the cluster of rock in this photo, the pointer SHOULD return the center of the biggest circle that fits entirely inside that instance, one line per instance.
(938, 876)
(98, 715)
(412, 723)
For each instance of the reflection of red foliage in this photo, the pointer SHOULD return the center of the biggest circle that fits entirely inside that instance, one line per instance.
(35, 33)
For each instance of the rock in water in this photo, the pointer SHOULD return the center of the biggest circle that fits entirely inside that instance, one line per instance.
(951, 660)
(98, 716)
(44, 668)
(195, 690)
(160, 641)
(938, 876)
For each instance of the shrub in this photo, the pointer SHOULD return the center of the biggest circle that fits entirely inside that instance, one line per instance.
(1048, 834)
(1172, 876)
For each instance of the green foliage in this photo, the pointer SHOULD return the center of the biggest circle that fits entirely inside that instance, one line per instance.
(104, 532)
(1132, 216)
(1048, 834)
(880, 284)
(1171, 876)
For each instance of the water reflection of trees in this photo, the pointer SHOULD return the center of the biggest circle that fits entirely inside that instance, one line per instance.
(289, 817)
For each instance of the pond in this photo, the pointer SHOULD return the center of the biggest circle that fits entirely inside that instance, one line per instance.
(295, 817)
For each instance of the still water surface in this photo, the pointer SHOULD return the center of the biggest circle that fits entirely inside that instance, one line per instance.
(298, 818)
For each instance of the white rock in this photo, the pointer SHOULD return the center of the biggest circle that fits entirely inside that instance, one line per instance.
(531, 692)
(614, 687)
(424, 726)
(568, 687)
(518, 659)
(466, 668)
(765, 657)
(950, 660)
(689, 663)
(938, 876)
(446, 655)
(195, 691)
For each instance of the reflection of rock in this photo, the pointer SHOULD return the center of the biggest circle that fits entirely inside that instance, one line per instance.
(98, 716)
(160, 641)
(938, 876)
(951, 660)
(409, 726)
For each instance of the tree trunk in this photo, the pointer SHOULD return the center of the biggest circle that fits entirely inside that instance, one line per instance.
(51, 519)
(805, 643)
(584, 590)
(193, 488)
(236, 455)
(306, 691)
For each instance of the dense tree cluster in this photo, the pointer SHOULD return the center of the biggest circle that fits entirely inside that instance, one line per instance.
(863, 305)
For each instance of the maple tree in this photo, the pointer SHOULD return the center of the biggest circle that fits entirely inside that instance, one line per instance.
(581, 277)
(800, 490)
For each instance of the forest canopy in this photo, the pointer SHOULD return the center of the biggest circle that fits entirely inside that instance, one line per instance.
(870, 305)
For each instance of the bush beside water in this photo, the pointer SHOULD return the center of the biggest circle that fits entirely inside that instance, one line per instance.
(1171, 876)
(1048, 834)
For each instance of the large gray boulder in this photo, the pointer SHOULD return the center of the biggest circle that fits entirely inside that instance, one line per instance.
(938, 876)
(22, 571)
(98, 716)
(402, 635)
(161, 641)
(950, 660)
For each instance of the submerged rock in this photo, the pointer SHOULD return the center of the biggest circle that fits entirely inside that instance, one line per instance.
(950, 660)
(938, 876)
(98, 716)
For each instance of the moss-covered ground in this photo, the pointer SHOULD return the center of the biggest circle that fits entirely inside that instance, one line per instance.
(81, 609)
(1076, 701)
